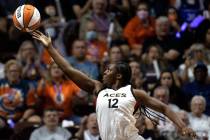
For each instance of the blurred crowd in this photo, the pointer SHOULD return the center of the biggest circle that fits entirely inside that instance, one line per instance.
(165, 42)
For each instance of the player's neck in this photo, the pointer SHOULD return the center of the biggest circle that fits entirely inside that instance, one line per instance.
(117, 85)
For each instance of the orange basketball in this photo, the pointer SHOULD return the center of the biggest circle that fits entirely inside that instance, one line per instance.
(26, 18)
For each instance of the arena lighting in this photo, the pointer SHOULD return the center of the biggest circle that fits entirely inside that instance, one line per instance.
(194, 24)
(197, 21)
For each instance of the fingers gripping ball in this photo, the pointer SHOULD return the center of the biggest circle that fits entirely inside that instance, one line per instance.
(26, 18)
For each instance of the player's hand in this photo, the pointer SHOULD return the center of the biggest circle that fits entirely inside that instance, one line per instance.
(45, 40)
(186, 131)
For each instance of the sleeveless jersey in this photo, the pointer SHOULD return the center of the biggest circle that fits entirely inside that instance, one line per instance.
(114, 109)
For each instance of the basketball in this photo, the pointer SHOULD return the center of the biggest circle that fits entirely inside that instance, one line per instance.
(26, 18)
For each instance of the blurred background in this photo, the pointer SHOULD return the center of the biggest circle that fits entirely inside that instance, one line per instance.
(165, 42)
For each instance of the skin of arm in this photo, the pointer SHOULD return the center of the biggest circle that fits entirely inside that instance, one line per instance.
(82, 128)
(176, 79)
(125, 3)
(27, 114)
(79, 12)
(82, 80)
(164, 109)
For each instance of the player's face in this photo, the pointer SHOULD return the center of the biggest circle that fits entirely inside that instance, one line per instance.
(109, 75)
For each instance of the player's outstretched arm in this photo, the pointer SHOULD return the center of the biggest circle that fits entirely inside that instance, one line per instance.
(164, 109)
(82, 80)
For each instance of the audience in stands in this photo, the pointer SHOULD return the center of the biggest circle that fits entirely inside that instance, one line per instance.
(197, 119)
(140, 27)
(88, 128)
(51, 129)
(166, 43)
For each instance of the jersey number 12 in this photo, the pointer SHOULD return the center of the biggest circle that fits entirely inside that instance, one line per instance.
(113, 103)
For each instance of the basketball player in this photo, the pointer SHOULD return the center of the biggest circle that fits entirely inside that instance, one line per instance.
(116, 99)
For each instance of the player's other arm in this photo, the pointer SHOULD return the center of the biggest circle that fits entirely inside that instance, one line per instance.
(164, 109)
(82, 80)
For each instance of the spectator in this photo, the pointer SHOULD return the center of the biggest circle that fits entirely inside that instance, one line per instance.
(14, 94)
(189, 9)
(2, 70)
(127, 54)
(102, 20)
(162, 94)
(199, 121)
(75, 9)
(137, 76)
(170, 80)
(79, 60)
(89, 128)
(204, 35)
(54, 27)
(120, 9)
(52, 23)
(140, 27)
(58, 93)
(206, 12)
(136, 52)
(165, 127)
(196, 54)
(159, 7)
(80, 7)
(114, 55)
(33, 69)
(50, 130)
(152, 64)
(175, 3)
(199, 86)
(157, 123)
(173, 19)
(96, 48)
(70, 34)
(169, 44)
(184, 116)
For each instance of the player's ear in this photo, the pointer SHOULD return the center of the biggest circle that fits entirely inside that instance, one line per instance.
(119, 76)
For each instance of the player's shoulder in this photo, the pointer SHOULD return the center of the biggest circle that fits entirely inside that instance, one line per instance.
(139, 93)
(98, 87)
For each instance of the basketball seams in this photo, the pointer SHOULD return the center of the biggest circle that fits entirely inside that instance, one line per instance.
(27, 15)
(26, 18)
(22, 16)
(36, 25)
(35, 18)
(16, 23)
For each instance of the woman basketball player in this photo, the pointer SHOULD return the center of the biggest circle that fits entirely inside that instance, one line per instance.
(116, 99)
